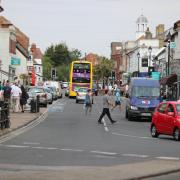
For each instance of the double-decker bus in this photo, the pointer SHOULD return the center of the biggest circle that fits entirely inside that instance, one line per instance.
(80, 76)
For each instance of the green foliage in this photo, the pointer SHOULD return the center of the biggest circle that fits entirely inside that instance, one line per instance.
(47, 65)
(103, 69)
(59, 56)
(63, 72)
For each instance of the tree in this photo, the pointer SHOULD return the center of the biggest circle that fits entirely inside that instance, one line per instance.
(103, 70)
(47, 66)
(59, 54)
(75, 54)
(63, 72)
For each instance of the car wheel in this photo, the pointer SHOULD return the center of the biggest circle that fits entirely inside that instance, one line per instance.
(176, 134)
(45, 105)
(154, 132)
(76, 101)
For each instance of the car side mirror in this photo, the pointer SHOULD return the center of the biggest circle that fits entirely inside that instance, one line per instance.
(171, 114)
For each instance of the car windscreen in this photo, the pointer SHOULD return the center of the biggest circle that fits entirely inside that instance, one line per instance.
(82, 90)
(142, 91)
(178, 109)
(36, 90)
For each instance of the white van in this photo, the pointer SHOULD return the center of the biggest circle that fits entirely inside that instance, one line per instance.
(55, 84)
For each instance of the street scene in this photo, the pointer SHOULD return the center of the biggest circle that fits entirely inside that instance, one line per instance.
(83, 97)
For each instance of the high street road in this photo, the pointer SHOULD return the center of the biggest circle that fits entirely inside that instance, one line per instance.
(67, 139)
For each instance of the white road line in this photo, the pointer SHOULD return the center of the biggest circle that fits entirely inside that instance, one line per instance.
(168, 158)
(31, 143)
(135, 155)
(105, 125)
(126, 135)
(75, 150)
(45, 148)
(15, 146)
(105, 153)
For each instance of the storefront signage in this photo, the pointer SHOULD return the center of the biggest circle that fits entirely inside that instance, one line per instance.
(15, 61)
(172, 45)
(144, 62)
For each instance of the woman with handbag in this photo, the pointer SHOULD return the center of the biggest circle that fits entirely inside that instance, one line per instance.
(24, 98)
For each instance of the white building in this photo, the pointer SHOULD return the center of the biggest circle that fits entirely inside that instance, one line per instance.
(37, 61)
(13, 51)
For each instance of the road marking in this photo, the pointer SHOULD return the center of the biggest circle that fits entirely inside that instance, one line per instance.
(105, 153)
(75, 150)
(135, 155)
(168, 158)
(31, 143)
(126, 135)
(105, 125)
(16, 146)
(45, 148)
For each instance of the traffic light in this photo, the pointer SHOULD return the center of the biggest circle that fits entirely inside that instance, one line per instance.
(53, 73)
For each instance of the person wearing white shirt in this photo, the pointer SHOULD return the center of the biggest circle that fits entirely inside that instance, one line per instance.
(15, 94)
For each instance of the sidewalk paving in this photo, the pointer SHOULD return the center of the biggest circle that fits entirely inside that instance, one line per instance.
(20, 119)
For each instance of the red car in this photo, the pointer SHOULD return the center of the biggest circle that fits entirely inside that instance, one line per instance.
(166, 120)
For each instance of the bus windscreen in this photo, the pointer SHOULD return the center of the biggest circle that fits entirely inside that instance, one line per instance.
(81, 73)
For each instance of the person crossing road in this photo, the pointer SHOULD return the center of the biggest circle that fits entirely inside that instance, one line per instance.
(106, 104)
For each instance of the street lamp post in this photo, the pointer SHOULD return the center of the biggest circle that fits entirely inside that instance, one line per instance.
(168, 40)
(138, 56)
(150, 51)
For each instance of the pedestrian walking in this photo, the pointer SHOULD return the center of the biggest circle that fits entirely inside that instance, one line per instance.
(1, 92)
(24, 98)
(7, 93)
(88, 101)
(15, 94)
(117, 94)
(106, 104)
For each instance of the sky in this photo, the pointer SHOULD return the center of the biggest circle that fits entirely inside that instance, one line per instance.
(87, 25)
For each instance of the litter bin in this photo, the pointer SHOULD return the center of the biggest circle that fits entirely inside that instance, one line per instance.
(35, 105)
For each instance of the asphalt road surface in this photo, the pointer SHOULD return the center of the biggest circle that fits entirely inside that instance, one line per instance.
(67, 137)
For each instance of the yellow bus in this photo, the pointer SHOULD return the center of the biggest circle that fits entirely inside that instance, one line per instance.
(81, 74)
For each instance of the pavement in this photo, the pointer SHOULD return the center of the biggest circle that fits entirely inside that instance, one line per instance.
(19, 120)
(130, 171)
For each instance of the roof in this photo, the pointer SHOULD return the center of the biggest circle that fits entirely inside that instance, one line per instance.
(169, 80)
(37, 54)
(145, 82)
(142, 19)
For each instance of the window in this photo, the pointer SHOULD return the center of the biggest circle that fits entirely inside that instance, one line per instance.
(162, 108)
(170, 108)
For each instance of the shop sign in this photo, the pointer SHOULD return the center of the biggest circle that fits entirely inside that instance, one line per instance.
(15, 61)
(144, 62)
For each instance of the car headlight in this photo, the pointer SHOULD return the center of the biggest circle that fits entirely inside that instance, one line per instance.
(134, 108)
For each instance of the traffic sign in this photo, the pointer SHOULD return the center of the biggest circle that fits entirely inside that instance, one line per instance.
(172, 45)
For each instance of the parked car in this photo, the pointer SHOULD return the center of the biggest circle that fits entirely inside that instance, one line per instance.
(65, 85)
(49, 95)
(166, 120)
(67, 92)
(56, 85)
(35, 91)
(53, 91)
(81, 95)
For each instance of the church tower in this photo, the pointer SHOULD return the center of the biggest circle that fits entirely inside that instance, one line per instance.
(142, 25)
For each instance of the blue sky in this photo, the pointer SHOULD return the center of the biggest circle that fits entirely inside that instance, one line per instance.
(89, 25)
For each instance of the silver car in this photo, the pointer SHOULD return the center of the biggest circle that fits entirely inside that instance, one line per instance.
(81, 94)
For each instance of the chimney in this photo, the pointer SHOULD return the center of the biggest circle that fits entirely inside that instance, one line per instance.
(33, 47)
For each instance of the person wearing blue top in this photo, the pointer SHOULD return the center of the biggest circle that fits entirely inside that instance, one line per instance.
(117, 94)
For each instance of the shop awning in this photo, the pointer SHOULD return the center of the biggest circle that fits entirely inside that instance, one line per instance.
(169, 80)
